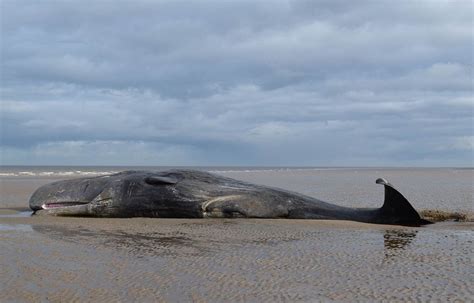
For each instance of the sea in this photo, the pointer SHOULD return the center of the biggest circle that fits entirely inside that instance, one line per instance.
(447, 189)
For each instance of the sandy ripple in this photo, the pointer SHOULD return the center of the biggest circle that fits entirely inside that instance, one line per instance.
(78, 260)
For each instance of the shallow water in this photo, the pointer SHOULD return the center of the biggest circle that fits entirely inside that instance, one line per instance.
(15, 214)
(15, 227)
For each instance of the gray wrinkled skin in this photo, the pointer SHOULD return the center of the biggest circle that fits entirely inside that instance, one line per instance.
(196, 194)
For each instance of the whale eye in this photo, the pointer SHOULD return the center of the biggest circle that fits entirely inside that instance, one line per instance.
(158, 180)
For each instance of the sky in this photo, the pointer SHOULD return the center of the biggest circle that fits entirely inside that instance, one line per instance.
(249, 83)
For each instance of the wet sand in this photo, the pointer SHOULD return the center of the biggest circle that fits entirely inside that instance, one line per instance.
(218, 260)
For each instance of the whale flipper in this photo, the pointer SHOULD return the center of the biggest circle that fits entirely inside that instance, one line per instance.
(396, 209)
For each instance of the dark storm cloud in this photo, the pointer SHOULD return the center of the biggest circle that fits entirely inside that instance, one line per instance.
(247, 82)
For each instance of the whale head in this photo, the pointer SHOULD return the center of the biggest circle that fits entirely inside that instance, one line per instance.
(116, 195)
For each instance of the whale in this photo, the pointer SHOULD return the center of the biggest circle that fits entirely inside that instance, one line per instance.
(182, 193)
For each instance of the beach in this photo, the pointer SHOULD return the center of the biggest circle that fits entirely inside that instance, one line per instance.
(57, 259)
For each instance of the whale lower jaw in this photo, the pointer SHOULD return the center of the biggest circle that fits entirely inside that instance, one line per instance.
(53, 205)
(64, 209)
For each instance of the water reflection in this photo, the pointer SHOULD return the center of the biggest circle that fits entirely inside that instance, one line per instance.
(395, 241)
(138, 243)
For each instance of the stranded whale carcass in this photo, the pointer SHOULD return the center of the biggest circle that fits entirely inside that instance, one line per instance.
(197, 194)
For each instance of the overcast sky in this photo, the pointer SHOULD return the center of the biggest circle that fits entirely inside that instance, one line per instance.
(319, 83)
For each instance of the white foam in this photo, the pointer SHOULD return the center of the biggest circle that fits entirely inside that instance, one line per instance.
(26, 173)
(7, 174)
(74, 173)
(263, 170)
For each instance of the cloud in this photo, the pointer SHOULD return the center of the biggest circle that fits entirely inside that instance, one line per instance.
(244, 83)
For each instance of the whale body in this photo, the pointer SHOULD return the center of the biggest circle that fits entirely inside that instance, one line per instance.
(198, 194)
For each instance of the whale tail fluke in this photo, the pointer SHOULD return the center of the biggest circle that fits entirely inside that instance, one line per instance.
(396, 209)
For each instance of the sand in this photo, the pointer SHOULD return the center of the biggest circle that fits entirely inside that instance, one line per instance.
(53, 259)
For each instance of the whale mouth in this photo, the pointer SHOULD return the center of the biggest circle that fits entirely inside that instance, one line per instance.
(62, 204)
